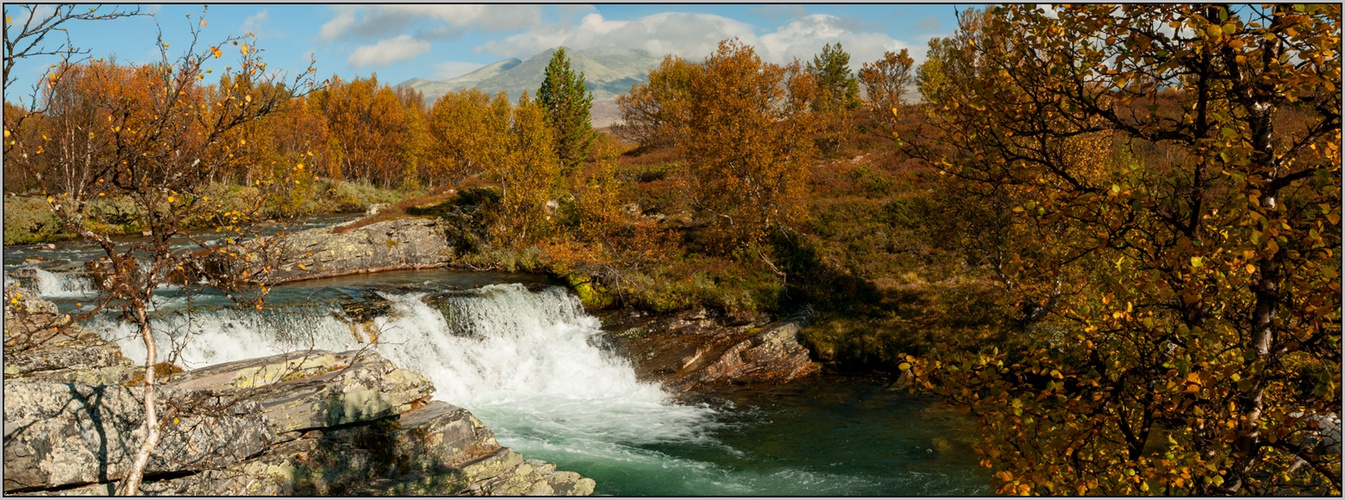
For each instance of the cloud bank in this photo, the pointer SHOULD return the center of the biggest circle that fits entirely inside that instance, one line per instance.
(388, 51)
(694, 36)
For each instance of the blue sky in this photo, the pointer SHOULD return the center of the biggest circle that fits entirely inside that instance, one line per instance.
(438, 41)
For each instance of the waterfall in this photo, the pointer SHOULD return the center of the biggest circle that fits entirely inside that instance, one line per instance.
(208, 336)
(524, 359)
(511, 354)
(49, 284)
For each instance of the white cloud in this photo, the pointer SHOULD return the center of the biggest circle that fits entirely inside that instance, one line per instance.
(453, 69)
(388, 51)
(378, 21)
(804, 37)
(685, 34)
(695, 36)
(254, 23)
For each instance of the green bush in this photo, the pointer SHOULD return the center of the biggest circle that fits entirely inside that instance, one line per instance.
(28, 219)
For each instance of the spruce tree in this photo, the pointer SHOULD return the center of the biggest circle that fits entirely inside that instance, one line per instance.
(567, 103)
(837, 87)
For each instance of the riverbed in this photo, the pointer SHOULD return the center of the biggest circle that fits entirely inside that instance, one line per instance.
(521, 353)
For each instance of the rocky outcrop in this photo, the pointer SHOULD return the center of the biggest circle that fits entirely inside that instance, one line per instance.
(694, 351)
(304, 423)
(60, 435)
(408, 243)
(38, 348)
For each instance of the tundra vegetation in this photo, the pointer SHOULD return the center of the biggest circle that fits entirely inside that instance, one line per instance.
(1110, 234)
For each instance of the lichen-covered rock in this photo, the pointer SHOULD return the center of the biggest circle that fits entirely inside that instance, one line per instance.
(316, 389)
(71, 356)
(440, 435)
(303, 423)
(39, 348)
(59, 435)
(506, 473)
(410, 243)
(26, 314)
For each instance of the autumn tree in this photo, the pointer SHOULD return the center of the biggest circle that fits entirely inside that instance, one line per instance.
(1179, 169)
(885, 82)
(157, 134)
(467, 133)
(367, 129)
(31, 32)
(744, 147)
(415, 146)
(527, 174)
(567, 102)
(837, 87)
(652, 111)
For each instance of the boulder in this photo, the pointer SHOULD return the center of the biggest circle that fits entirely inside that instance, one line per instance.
(435, 450)
(377, 208)
(71, 356)
(440, 435)
(63, 435)
(693, 351)
(773, 354)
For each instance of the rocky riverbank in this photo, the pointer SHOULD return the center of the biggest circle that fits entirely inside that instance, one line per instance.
(303, 423)
(699, 351)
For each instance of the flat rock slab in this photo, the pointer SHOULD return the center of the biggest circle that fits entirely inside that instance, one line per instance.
(315, 389)
(410, 243)
(61, 435)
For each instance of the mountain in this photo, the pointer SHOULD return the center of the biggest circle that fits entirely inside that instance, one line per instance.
(607, 76)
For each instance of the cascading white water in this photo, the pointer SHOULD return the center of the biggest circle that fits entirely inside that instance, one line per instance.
(206, 337)
(504, 352)
(507, 353)
(54, 285)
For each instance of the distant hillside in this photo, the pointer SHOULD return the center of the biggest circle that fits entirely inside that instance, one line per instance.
(607, 76)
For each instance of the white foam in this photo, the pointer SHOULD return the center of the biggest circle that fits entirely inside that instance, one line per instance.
(57, 285)
(208, 337)
(528, 358)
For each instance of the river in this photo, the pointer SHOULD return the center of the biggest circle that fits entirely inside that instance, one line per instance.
(522, 354)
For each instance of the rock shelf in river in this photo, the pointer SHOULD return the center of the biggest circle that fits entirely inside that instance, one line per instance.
(407, 243)
(302, 423)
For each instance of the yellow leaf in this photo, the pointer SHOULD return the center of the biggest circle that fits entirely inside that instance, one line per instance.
(1251, 268)
(203, 22)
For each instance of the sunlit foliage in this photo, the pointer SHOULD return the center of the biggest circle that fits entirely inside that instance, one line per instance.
(1170, 184)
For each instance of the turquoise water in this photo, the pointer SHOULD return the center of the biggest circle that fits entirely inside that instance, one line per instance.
(819, 436)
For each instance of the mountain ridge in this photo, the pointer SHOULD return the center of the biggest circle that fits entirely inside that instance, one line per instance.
(607, 75)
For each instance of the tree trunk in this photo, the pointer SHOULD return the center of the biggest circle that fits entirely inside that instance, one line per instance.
(131, 483)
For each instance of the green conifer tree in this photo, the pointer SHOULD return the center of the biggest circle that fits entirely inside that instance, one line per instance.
(836, 85)
(567, 102)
